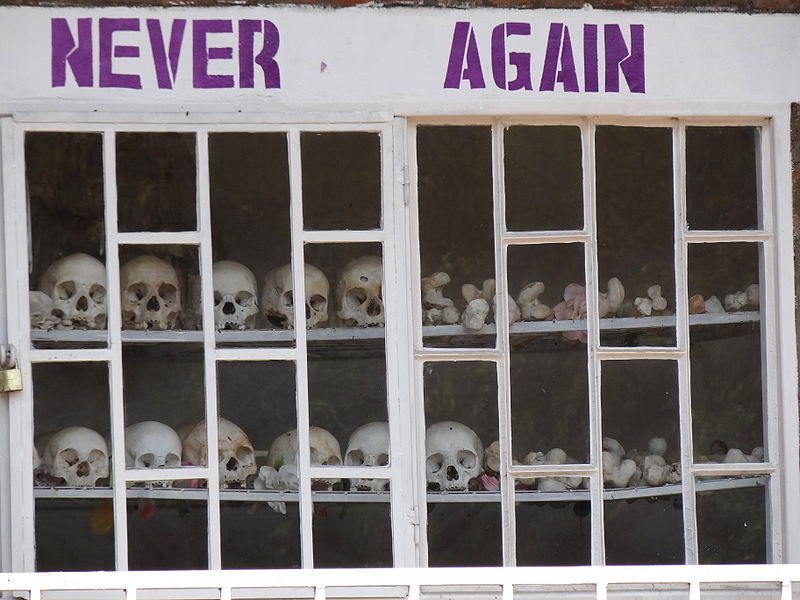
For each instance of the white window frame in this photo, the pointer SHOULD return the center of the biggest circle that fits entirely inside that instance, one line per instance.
(401, 288)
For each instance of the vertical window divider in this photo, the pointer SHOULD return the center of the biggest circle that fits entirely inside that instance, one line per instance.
(301, 344)
(593, 332)
(114, 324)
(209, 349)
(507, 511)
(682, 334)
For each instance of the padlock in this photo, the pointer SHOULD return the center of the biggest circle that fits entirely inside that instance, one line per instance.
(10, 380)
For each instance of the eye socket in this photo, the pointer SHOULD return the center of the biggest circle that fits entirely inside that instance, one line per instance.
(467, 459)
(244, 298)
(287, 299)
(383, 460)
(136, 292)
(434, 463)
(317, 302)
(147, 460)
(355, 458)
(65, 290)
(244, 455)
(69, 456)
(168, 292)
(97, 293)
(172, 461)
(217, 298)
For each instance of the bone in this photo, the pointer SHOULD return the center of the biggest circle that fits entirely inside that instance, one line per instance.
(433, 291)
(530, 307)
(735, 302)
(474, 317)
(610, 301)
(752, 294)
(644, 306)
(697, 305)
(41, 311)
(659, 302)
(713, 305)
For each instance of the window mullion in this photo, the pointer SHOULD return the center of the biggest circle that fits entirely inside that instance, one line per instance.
(594, 363)
(117, 408)
(209, 347)
(683, 340)
(298, 283)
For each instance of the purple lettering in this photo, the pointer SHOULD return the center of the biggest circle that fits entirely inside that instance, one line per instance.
(264, 59)
(64, 50)
(559, 53)
(521, 61)
(166, 64)
(202, 54)
(618, 57)
(464, 48)
(590, 83)
(108, 51)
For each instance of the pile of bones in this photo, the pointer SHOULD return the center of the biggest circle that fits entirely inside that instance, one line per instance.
(72, 295)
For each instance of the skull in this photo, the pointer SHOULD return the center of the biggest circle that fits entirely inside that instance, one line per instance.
(325, 450)
(152, 445)
(369, 447)
(237, 458)
(277, 297)
(235, 296)
(151, 294)
(454, 455)
(359, 293)
(77, 286)
(78, 455)
(41, 311)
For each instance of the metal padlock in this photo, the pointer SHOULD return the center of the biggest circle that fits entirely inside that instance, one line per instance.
(10, 380)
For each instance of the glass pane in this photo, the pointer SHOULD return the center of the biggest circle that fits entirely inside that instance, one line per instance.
(249, 186)
(732, 525)
(74, 534)
(341, 180)
(456, 238)
(64, 176)
(543, 178)
(351, 534)
(159, 287)
(165, 535)
(635, 233)
(722, 177)
(260, 535)
(554, 527)
(461, 419)
(549, 376)
(71, 424)
(727, 404)
(156, 181)
(641, 449)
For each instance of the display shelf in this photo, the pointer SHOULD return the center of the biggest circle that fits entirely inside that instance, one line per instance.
(360, 335)
(248, 495)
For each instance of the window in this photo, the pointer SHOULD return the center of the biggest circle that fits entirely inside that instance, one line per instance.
(171, 268)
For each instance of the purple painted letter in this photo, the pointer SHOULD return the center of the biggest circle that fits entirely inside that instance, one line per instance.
(618, 57)
(108, 51)
(520, 60)
(264, 59)
(202, 54)
(464, 47)
(559, 51)
(590, 58)
(166, 72)
(64, 50)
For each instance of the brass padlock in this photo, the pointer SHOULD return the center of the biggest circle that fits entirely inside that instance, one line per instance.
(10, 380)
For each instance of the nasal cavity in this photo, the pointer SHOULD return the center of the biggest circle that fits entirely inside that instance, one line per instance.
(232, 464)
(83, 304)
(228, 308)
(83, 469)
(452, 473)
(153, 304)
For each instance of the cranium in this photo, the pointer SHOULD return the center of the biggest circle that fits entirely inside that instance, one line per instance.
(151, 294)
(359, 293)
(277, 297)
(369, 447)
(152, 445)
(454, 455)
(77, 286)
(78, 455)
(237, 458)
(235, 296)
(324, 448)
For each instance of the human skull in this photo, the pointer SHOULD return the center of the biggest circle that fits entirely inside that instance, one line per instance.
(369, 447)
(237, 457)
(151, 294)
(152, 445)
(454, 455)
(77, 286)
(324, 447)
(235, 296)
(359, 293)
(277, 297)
(78, 455)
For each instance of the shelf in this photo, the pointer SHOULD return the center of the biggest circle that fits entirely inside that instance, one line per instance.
(673, 489)
(320, 338)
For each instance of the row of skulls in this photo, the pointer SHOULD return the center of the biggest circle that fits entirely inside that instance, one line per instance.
(72, 295)
(79, 456)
